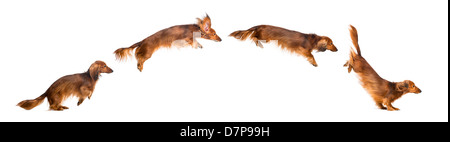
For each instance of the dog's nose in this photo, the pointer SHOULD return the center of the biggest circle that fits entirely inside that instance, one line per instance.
(418, 91)
(112, 71)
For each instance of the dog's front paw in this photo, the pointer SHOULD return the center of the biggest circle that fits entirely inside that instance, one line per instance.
(140, 67)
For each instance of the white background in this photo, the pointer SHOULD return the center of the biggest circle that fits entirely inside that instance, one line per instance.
(43, 40)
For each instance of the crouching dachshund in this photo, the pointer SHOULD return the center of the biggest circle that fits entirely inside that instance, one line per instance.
(80, 85)
(382, 91)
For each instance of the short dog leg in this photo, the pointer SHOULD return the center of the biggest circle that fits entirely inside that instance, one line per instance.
(310, 58)
(388, 104)
(380, 105)
(55, 102)
(195, 44)
(259, 43)
(346, 64)
(141, 60)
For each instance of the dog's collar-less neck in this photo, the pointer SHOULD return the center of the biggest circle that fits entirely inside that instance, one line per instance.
(202, 33)
(94, 78)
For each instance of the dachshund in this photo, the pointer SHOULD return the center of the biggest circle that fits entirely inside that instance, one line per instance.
(292, 41)
(382, 91)
(80, 85)
(167, 37)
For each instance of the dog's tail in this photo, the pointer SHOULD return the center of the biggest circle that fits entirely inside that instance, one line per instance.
(123, 53)
(353, 54)
(354, 36)
(243, 35)
(30, 104)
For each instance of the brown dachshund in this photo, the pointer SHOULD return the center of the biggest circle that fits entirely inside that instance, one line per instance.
(382, 91)
(167, 37)
(293, 41)
(80, 85)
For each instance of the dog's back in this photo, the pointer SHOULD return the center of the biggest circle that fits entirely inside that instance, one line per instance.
(292, 41)
(166, 36)
(287, 39)
(268, 32)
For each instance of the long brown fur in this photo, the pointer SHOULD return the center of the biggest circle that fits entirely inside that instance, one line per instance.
(382, 91)
(166, 37)
(80, 85)
(292, 41)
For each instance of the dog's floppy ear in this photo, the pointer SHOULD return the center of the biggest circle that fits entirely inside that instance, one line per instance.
(402, 86)
(94, 71)
(322, 44)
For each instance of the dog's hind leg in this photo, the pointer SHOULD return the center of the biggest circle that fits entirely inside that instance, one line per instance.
(259, 43)
(142, 58)
(55, 101)
(347, 64)
(140, 64)
(380, 105)
(58, 107)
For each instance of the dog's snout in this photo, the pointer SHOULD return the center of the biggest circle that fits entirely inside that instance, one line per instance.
(333, 49)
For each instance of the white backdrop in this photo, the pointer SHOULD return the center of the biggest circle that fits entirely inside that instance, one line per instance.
(41, 41)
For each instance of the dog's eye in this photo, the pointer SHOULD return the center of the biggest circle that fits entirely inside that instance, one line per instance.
(104, 66)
